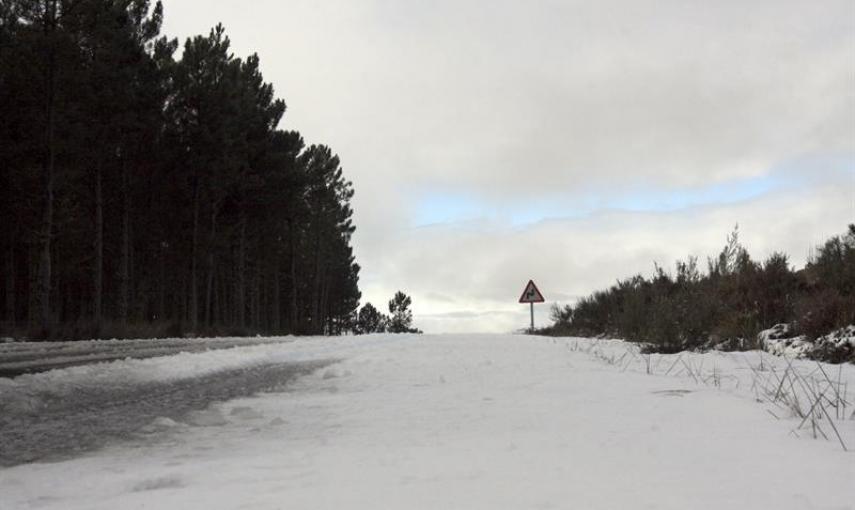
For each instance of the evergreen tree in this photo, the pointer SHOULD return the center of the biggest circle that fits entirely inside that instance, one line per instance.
(146, 196)
(401, 318)
(370, 320)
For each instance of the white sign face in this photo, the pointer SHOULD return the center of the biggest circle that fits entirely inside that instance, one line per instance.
(531, 294)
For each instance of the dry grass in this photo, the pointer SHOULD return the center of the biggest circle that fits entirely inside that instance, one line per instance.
(807, 392)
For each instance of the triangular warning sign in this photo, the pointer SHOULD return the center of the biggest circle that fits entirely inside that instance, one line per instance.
(531, 294)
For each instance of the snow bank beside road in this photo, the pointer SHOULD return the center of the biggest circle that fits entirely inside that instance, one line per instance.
(471, 422)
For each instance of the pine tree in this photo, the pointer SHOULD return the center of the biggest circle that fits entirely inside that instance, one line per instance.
(401, 318)
(370, 320)
(141, 190)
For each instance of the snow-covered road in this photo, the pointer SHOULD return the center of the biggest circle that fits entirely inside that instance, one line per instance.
(64, 424)
(456, 422)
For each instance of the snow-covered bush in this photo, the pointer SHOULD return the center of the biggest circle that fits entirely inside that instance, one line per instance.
(835, 347)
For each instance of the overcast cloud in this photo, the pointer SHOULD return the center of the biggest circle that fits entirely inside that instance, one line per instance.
(570, 142)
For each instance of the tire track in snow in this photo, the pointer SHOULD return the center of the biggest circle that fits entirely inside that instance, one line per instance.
(62, 425)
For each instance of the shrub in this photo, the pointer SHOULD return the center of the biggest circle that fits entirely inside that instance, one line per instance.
(821, 312)
(726, 307)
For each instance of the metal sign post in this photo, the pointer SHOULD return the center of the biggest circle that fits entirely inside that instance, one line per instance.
(531, 295)
(532, 317)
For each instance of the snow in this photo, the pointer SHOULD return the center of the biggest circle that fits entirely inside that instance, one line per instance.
(23, 357)
(460, 421)
(29, 390)
(779, 340)
(841, 336)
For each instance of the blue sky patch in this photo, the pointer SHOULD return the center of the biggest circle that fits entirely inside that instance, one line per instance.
(451, 207)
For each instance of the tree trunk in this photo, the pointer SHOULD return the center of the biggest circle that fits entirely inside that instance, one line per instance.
(161, 297)
(32, 281)
(293, 317)
(316, 321)
(43, 282)
(256, 315)
(209, 288)
(43, 285)
(325, 293)
(10, 282)
(98, 248)
(240, 294)
(276, 326)
(194, 298)
(216, 305)
(124, 263)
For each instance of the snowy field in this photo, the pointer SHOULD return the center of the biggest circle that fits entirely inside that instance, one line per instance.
(443, 422)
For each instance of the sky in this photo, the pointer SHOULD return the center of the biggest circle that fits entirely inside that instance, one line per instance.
(573, 143)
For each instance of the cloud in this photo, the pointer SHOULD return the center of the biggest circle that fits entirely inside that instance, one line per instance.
(566, 141)
(483, 265)
(574, 95)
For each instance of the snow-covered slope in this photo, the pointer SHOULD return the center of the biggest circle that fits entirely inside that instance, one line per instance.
(467, 422)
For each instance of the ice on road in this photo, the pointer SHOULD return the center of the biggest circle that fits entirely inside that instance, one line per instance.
(462, 422)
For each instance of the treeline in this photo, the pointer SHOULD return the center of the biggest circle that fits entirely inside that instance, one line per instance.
(143, 194)
(727, 305)
(400, 319)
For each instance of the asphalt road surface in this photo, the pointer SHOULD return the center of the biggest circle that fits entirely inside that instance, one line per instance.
(18, 358)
